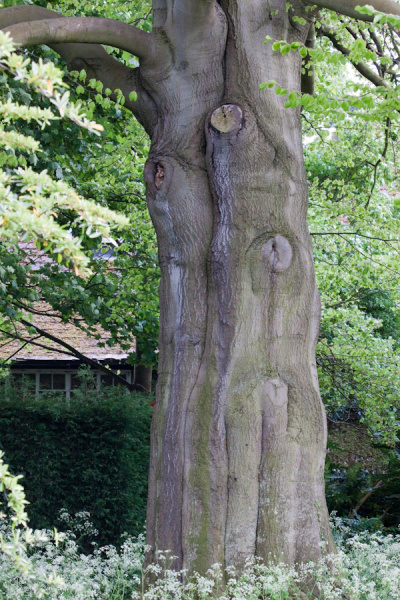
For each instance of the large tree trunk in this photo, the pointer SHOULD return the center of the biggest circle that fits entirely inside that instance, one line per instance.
(239, 434)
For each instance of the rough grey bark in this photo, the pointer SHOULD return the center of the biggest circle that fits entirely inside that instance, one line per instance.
(239, 433)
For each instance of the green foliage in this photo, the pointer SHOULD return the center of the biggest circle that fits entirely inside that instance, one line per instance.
(367, 500)
(90, 453)
(352, 172)
(357, 271)
(381, 305)
(13, 490)
(32, 201)
(379, 17)
(108, 173)
(355, 46)
(16, 539)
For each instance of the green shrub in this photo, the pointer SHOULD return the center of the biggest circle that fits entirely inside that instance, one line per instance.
(89, 453)
(366, 500)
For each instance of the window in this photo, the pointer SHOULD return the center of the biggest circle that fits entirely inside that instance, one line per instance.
(43, 381)
(52, 382)
(19, 378)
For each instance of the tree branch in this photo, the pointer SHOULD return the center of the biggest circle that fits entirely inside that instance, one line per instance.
(74, 354)
(19, 349)
(361, 67)
(378, 162)
(369, 258)
(308, 77)
(93, 58)
(377, 42)
(355, 510)
(356, 36)
(348, 7)
(341, 233)
(15, 336)
(86, 30)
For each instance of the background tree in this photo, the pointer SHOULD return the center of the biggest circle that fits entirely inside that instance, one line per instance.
(351, 159)
(239, 430)
(123, 299)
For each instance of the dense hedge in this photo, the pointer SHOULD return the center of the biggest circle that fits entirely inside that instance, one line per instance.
(90, 454)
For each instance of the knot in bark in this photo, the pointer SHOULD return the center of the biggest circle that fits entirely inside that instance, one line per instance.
(277, 391)
(227, 118)
(278, 253)
(157, 175)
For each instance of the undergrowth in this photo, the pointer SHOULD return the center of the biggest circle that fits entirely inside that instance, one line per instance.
(366, 567)
(47, 564)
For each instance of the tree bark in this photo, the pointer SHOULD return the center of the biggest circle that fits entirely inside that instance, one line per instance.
(239, 434)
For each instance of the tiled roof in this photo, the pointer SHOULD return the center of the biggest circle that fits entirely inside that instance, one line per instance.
(34, 257)
(53, 325)
(65, 331)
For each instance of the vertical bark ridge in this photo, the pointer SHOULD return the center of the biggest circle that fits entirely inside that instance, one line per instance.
(184, 87)
(283, 303)
(239, 425)
(183, 265)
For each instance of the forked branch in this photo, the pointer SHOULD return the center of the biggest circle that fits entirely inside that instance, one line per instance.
(348, 7)
(86, 30)
(361, 67)
(96, 61)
